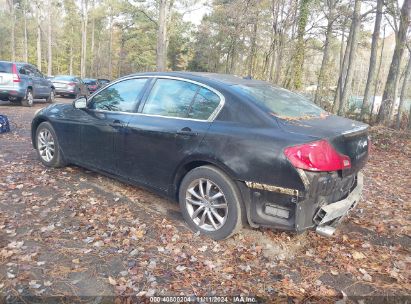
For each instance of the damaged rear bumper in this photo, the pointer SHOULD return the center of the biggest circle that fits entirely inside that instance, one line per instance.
(327, 199)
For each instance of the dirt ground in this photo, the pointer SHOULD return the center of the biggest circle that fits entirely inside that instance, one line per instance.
(76, 234)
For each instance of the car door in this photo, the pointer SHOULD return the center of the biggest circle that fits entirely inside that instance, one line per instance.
(45, 84)
(108, 113)
(36, 81)
(168, 129)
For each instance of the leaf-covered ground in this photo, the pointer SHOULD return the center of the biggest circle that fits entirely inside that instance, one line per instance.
(71, 232)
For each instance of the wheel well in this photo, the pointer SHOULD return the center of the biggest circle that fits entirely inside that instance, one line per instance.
(183, 170)
(36, 123)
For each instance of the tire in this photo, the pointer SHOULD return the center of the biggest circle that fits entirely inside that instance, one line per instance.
(228, 219)
(28, 100)
(52, 96)
(50, 154)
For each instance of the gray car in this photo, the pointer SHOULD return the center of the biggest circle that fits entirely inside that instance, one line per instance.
(22, 83)
(72, 86)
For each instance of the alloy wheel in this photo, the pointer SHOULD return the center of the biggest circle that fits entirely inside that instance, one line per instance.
(45, 145)
(30, 98)
(206, 204)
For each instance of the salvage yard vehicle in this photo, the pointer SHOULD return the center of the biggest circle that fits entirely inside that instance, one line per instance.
(229, 150)
(72, 86)
(22, 83)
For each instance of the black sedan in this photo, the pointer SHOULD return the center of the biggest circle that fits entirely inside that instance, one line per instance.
(230, 150)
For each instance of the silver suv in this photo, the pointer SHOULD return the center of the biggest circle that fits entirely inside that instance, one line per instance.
(23, 82)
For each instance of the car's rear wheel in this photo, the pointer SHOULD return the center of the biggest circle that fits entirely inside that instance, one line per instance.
(48, 147)
(28, 100)
(210, 202)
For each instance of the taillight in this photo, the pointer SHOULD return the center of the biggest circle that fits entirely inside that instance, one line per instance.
(16, 77)
(317, 156)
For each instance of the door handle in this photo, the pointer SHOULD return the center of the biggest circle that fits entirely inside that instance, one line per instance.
(186, 132)
(117, 123)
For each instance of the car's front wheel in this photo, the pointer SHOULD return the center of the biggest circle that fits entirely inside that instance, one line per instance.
(48, 147)
(210, 202)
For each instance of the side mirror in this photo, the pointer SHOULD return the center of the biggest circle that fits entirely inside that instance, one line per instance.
(80, 103)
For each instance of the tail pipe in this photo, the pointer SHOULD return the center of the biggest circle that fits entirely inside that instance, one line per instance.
(327, 231)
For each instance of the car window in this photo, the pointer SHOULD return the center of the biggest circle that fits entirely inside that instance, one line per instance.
(23, 71)
(281, 102)
(64, 77)
(170, 97)
(38, 73)
(204, 104)
(121, 96)
(5, 67)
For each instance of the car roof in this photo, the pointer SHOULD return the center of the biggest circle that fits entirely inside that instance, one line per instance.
(226, 79)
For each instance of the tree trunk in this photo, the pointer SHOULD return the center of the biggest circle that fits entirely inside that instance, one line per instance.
(71, 51)
(409, 119)
(373, 58)
(389, 90)
(93, 25)
(300, 47)
(10, 3)
(38, 38)
(84, 20)
(110, 46)
(404, 90)
(326, 55)
(378, 76)
(343, 70)
(25, 43)
(351, 62)
(252, 48)
(162, 37)
(50, 55)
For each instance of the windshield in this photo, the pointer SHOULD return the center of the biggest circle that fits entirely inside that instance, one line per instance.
(62, 77)
(281, 102)
(89, 81)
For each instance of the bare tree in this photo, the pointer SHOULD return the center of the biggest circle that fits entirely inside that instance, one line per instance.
(50, 54)
(84, 21)
(25, 42)
(10, 3)
(378, 76)
(373, 58)
(407, 75)
(38, 19)
(390, 85)
(300, 48)
(351, 61)
(162, 36)
(331, 15)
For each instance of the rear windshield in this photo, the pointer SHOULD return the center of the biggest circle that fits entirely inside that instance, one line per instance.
(281, 102)
(5, 67)
(88, 81)
(62, 77)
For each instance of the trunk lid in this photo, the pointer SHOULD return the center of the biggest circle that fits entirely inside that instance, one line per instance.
(61, 83)
(347, 136)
